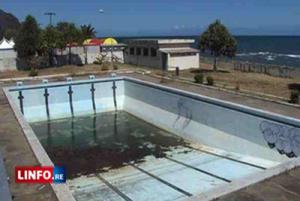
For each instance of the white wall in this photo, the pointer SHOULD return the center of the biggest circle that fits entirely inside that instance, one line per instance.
(183, 62)
(92, 53)
(8, 60)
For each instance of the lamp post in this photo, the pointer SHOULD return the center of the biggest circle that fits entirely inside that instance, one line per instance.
(50, 14)
(101, 11)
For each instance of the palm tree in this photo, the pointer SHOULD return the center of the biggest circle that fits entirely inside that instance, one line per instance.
(88, 31)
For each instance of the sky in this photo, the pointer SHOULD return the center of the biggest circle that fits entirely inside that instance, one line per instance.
(166, 17)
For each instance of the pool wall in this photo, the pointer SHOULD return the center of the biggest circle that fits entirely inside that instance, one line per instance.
(212, 122)
(202, 119)
(208, 121)
(59, 103)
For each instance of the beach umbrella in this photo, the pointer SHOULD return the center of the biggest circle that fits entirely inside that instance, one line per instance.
(110, 41)
(93, 42)
(86, 41)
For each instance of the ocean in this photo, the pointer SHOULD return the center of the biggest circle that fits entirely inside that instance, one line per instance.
(277, 50)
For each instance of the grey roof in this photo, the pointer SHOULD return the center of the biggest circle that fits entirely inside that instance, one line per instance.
(179, 50)
(116, 45)
(160, 40)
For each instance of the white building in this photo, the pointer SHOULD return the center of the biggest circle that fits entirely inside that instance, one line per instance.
(90, 51)
(166, 54)
(7, 55)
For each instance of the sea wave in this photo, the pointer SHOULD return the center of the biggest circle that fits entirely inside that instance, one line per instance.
(293, 56)
(268, 55)
(253, 54)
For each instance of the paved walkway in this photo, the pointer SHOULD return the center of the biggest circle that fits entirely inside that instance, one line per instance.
(16, 150)
(285, 187)
(231, 97)
(4, 188)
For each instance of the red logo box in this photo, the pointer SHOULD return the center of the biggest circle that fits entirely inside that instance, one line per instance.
(37, 174)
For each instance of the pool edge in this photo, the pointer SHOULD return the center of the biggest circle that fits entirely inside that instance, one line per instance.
(65, 194)
(61, 191)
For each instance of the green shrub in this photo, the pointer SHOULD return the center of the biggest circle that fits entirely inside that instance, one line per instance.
(97, 62)
(237, 86)
(199, 78)
(294, 96)
(116, 67)
(210, 80)
(100, 59)
(105, 66)
(33, 72)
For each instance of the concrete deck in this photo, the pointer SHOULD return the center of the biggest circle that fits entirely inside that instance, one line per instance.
(4, 188)
(16, 150)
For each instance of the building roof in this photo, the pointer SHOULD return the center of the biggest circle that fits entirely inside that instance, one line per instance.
(170, 41)
(116, 45)
(5, 44)
(179, 50)
(160, 41)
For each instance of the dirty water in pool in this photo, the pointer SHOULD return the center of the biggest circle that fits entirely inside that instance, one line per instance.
(97, 143)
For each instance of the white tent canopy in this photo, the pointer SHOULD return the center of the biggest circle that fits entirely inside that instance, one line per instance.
(11, 42)
(5, 44)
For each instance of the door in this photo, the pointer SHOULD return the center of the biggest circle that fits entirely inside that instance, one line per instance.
(164, 61)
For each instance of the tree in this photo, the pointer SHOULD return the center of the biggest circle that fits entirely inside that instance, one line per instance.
(10, 33)
(70, 35)
(28, 39)
(218, 40)
(51, 38)
(88, 31)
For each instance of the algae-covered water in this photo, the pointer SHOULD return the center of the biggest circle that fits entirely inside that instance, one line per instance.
(96, 143)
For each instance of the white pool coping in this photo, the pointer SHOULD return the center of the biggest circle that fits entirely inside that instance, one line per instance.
(64, 194)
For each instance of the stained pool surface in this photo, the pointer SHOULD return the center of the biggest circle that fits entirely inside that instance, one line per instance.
(117, 156)
(99, 142)
(205, 143)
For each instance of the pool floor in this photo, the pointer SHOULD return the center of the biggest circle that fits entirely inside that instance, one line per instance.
(116, 156)
(182, 173)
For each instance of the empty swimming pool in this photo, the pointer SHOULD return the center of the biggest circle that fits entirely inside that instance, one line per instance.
(126, 139)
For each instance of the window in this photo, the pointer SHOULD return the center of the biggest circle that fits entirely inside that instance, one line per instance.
(138, 51)
(153, 52)
(131, 51)
(146, 52)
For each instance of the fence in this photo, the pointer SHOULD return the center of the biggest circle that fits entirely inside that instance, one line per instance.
(268, 69)
(273, 70)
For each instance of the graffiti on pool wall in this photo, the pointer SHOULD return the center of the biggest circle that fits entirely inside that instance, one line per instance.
(184, 115)
(283, 138)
